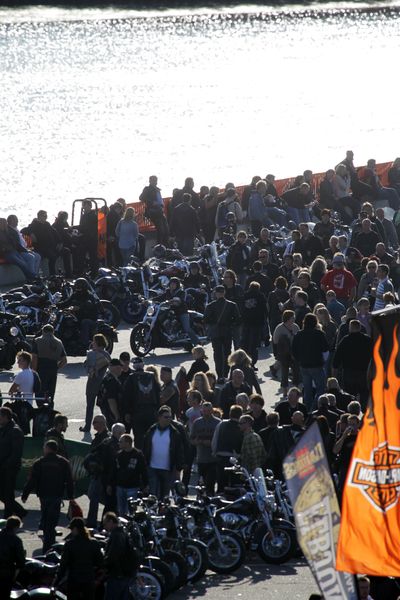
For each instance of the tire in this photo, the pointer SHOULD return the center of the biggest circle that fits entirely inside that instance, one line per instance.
(234, 558)
(279, 550)
(147, 585)
(178, 566)
(140, 340)
(195, 555)
(110, 313)
(132, 311)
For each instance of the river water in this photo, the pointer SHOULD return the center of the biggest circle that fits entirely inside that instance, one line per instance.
(94, 101)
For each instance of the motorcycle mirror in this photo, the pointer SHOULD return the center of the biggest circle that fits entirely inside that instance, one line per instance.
(233, 460)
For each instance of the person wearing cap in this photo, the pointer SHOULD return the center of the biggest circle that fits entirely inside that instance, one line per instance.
(110, 393)
(12, 555)
(340, 280)
(125, 360)
(221, 316)
(48, 357)
(80, 558)
(50, 477)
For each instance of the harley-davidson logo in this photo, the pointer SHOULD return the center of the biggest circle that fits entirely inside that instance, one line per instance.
(379, 478)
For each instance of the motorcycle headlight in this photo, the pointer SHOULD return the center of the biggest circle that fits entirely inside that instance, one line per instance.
(150, 311)
(14, 331)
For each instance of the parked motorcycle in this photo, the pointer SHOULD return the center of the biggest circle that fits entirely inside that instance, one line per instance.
(127, 288)
(12, 340)
(161, 328)
(252, 516)
(66, 327)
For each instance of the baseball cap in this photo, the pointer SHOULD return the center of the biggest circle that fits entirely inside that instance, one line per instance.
(338, 259)
(220, 289)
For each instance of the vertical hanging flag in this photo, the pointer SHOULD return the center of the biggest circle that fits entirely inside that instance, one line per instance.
(317, 514)
(369, 539)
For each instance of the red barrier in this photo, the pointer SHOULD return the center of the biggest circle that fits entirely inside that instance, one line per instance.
(281, 186)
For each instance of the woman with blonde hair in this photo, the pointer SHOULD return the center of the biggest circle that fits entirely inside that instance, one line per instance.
(127, 232)
(241, 360)
(201, 384)
(318, 269)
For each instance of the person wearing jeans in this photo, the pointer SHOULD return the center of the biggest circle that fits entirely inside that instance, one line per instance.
(164, 453)
(310, 349)
(129, 474)
(50, 476)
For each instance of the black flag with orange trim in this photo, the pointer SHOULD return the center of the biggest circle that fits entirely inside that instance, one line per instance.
(369, 540)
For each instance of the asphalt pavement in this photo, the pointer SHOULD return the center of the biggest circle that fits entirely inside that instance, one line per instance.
(256, 579)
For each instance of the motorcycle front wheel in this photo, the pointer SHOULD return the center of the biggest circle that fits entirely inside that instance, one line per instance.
(277, 548)
(110, 313)
(140, 340)
(147, 585)
(195, 555)
(178, 567)
(227, 556)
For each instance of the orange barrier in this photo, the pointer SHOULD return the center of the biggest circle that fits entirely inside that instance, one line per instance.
(101, 235)
(281, 186)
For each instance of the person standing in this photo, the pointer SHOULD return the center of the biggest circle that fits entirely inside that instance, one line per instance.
(169, 394)
(109, 450)
(164, 453)
(129, 475)
(221, 316)
(12, 556)
(227, 441)
(282, 340)
(27, 381)
(50, 477)
(48, 357)
(120, 561)
(185, 225)
(287, 408)
(252, 453)
(384, 285)
(110, 393)
(254, 317)
(310, 349)
(127, 232)
(151, 197)
(93, 464)
(81, 557)
(340, 280)
(201, 436)
(140, 401)
(11, 447)
(96, 363)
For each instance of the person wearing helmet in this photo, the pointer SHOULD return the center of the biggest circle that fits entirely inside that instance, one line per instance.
(84, 306)
(195, 279)
(159, 251)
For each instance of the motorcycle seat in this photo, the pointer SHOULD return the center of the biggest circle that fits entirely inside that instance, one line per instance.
(19, 594)
(103, 271)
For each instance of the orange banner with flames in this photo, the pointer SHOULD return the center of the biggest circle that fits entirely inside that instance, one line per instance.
(369, 540)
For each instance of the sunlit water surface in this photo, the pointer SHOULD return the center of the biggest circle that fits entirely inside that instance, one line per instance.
(93, 102)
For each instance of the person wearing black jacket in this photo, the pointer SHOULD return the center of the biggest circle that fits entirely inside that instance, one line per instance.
(263, 242)
(231, 389)
(88, 240)
(48, 243)
(113, 252)
(80, 558)
(238, 257)
(226, 442)
(84, 306)
(140, 401)
(164, 453)
(120, 559)
(151, 196)
(287, 408)
(254, 316)
(185, 225)
(93, 464)
(194, 279)
(129, 474)
(308, 245)
(12, 556)
(56, 433)
(11, 447)
(310, 349)
(51, 475)
(221, 316)
(353, 354)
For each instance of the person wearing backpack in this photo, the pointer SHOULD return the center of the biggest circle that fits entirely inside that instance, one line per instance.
(140, 401)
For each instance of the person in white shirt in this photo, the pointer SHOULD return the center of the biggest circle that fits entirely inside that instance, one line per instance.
(26, 380)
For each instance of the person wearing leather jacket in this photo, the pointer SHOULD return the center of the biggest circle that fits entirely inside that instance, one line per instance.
(84, 306)
(176, 294)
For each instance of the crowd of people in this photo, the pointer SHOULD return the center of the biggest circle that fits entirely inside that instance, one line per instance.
(310, 302)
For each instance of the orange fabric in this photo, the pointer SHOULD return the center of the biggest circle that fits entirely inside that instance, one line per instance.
(101, 235)
(369, 539)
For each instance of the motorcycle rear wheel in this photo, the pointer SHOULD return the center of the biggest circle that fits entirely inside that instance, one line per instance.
(178, 566)
(140, 340)
(278, 550)
(195, 555)
(131, 311)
